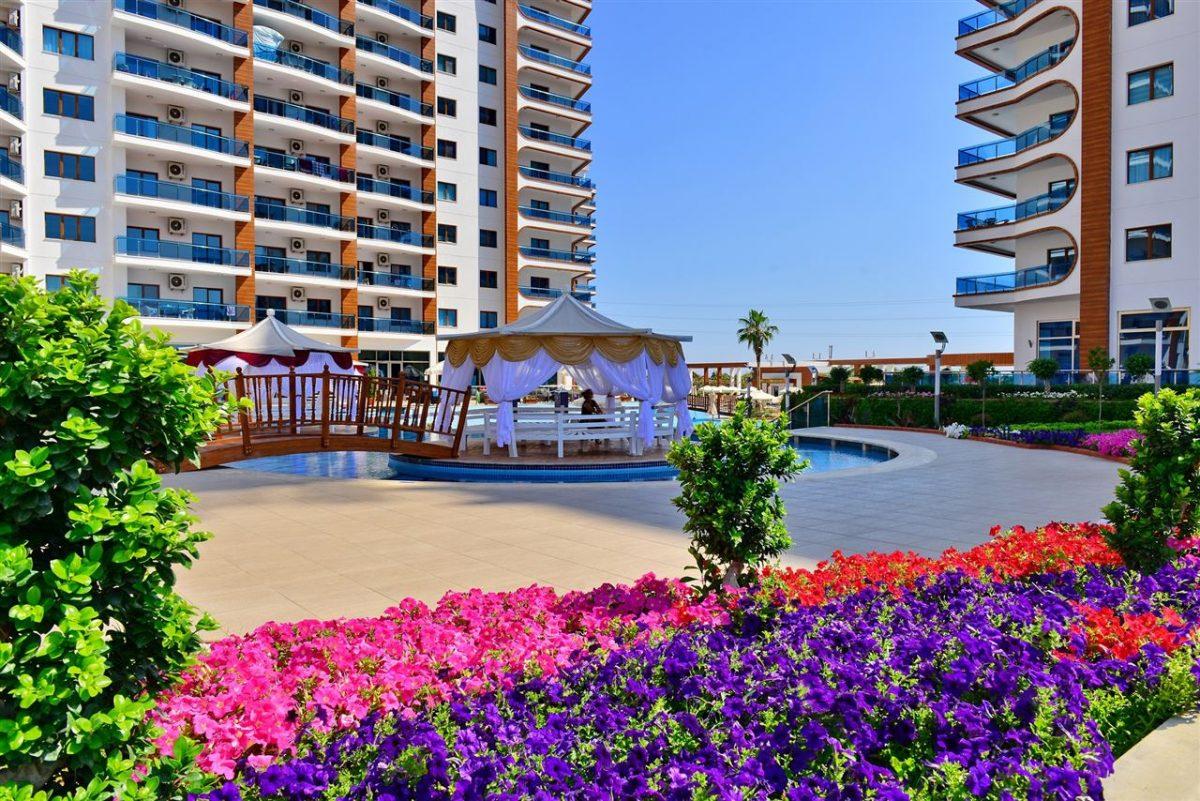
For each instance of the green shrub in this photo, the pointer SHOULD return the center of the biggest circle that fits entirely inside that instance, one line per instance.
(1157, 497)
(89, 539)
(1139, 365)
(917, 411)
(729, 479)
(1043, 369)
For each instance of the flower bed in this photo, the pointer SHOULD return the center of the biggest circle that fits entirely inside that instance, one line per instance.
(1109, 443)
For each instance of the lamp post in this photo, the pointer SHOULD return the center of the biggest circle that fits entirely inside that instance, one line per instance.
(940, 340)
(1159, 305)
(787, 386)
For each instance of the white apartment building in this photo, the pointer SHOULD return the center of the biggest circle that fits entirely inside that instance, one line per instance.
(1097, 106)
(372, 172)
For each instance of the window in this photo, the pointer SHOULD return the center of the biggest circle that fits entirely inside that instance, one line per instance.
(1060, 341)
(487, 156)
(489, 279)
(447, 149)
(447, 233)
(489, 319)
(487, 74)
(70, 165)
(487, 239)
(1148, 10)
(208, 294)
(540, 205)
(447, 22)
(1150, 242)
(447, 64)
(487, 116)
(448, 276)
(142, 291)
(539, 244)
(489, 197)
(447, 107)
(1149, 164)
(72, 227)
(68, 43)
(1152, 83)
(447, 192)
(539, 282)
(1138, 332)
(55, 282)
(487, 33)
(58, 103)
(448, 317)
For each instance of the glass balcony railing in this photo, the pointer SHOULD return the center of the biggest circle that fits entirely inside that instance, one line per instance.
(314, 318)
(302, 164)
(180, 134)
(386, 325)
(322, 119)
(403, 12)
(279, 212)
(10, 169)
(557, 177)
(183, 193)
(10, 38)
(395, 280)
(394, 54)
(557, 61)
(398, 235)
(573, 256)
(395, 144)
(1018, 279)
(1003, 80)
(1002, 215)
(12, 235)
(402, 191)
(557, 216)
(555, 138)
(321, 69)
(10, 102)
(545, 293)
(394, 99)
(558, 100)
(312, 269)
(309, 14)
(151, 9)
(181, 251)
(182, 76)
(993, 16)
(558, 22)
(1014, 144)
(190, 310)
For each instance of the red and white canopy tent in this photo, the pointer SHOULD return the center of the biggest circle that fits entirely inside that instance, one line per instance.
(272, 347)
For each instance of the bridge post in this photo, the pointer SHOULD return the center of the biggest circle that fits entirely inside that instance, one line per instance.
(292, 401)
(397, 410)
(364, 385)
(325, 407)
(239, 388)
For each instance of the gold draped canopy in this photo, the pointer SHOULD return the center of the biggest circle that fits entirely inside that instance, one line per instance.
(564, 348)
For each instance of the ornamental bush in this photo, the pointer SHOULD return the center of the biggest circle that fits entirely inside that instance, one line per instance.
(88, 537)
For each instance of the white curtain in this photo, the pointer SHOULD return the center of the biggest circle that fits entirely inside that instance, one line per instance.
(509, 381)
(678, 385)
(639, 377)
(452, 378)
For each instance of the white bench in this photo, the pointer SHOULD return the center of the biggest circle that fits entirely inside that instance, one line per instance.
(549, 425)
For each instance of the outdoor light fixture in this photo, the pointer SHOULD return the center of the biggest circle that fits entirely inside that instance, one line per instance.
(787, 383)
(941, 341)
(1159, 305)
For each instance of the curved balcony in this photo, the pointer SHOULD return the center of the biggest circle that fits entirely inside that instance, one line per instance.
(395, 281)
(1008, 78)
(544, 293)
(581, 257)
(386, 325)
(303, 165)
(10, 103)
(555, 61)
(281, 108)
(404, 57)
(1013, 144)
(993, 16)
(181, 251)
(303, 267)
(312, 318)
(398, 191)
(1005, 215)
(278, 212)
(312, 66)
(537, 15)
(12, 235)
(402, 12)
(397, 236)
(557, 100)
(10, 169)
(1018, 279)
(309, 14)
(190, 310)
(180, 135)
(394, 99)
(179, 18)
(180, 193)
(550, 215)
(572, 142)
(179, 76)
(10, 38)
(581, 181)
(395, 144)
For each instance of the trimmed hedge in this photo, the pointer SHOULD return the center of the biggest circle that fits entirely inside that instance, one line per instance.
(917, 411)
(1114, 391)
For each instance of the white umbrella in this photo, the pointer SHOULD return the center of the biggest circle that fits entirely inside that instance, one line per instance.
(766, 397)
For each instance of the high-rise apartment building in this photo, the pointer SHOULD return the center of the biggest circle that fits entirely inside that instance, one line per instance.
(370, 171)
(1096, 104)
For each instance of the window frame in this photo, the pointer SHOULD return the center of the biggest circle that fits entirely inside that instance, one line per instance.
(447, 65)
(486, 153)
(1153, 15)
(62, 159)
(447, 317)
(447, 149)
(62, 35)
(487, 34)
(489, 194)
(1149, 232)
(1151, 72)
(447, 233)
(489, 75)
(492, 115)
(495, 279)
(494, 237)
(493, 321)
(451, 192)
(63, 227)
(447, 106)
(60, 106)
(447, 278)
(1150, 151)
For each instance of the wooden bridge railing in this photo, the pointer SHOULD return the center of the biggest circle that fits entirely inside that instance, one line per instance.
(702, 402)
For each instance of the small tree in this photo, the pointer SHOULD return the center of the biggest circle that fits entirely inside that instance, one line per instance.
(911, 377)
(1158, 495)
(870, 374)
(756, 332)
(979, 372)
(1044, 370)
(1139, 365)
(840, 375)
(729, 479)
(1099, 362)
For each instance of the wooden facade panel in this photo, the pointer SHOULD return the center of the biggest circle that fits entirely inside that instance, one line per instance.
(511, 276)
(1095, 182)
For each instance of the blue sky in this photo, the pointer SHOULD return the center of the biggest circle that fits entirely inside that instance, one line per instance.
(792, 156)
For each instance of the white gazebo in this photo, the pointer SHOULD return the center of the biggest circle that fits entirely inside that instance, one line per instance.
(272, 347)
(598, 353)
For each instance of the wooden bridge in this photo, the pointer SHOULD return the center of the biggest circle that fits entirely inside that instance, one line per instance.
(292, 413)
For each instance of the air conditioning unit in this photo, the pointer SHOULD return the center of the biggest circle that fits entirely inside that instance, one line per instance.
(175, 3)
(383, 303)
(295, 196)
(176, 170)
(382, 38)
(16, 269)
(296, 245)
(295, 97)
(383, 216)
(295, 146)
(177, 282)
(176, 114)
(382, 171)
(176, 57)
(383, 259)
(381, 126)
(14, 146)
(298, 294)
(14, 82)
(16, 210)
(177, 226)
(295, 47)
(381, 82)
(14, 18)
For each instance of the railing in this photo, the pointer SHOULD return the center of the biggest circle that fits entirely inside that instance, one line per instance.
(321, 69)
(1018, 279)
(281, 108)
(574, 256)
(169, 73)
(558, 22)
(402, 191)
(11, 169)
(150, 9)
(557, 61)
(394, 54)
(313, 269)
(395, 280)
(724, 403)
(169, 190)
(302, 164)
(12, 235)
(1013, 145)
(558, 100)
(1003, 215)
(557, 216)
(1003, 80)
(993, 16)
(313, 318)
(556, 138)
(294, 214)
(10, 37)
(394, 99)
(557, 177)
(397, 235)
(395, 144)
(309, 14)
(403, 12)
(814, 411)
(181, 251)
(386, 325)
(545, 293)
(180, 134)
(10, 102)
(190, 310)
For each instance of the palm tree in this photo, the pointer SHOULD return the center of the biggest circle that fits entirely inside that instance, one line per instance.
(756, 332)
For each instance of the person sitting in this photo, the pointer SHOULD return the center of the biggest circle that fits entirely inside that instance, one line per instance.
(590, 406)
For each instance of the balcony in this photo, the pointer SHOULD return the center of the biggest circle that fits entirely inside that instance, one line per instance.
(394, 54)
(404, 147)
(583, 182)
(180, 135)
(179, 76)
(312, 66)
(190, 310)
(1012, 145)
(10, 169)
(397, 236)
(180, 193)
(278, 212)
(582, 257)
(12, 235)
(303, 165)
(177, 17)
(557, 216)
(395, 281)
(321, 119)
(313, 318)
(558, 22)
(303, 267)
(558, 100)
(10, 103)
(573, 142)
(309, 14)
(556, 61)
(10, 38)
(394, 99)
(544, 293)
(993, 16)
(181, 251)
(1004, 215)
(386, 325)
(403, 12)
(1018, 279)
(1009, 78)
(399, 191)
